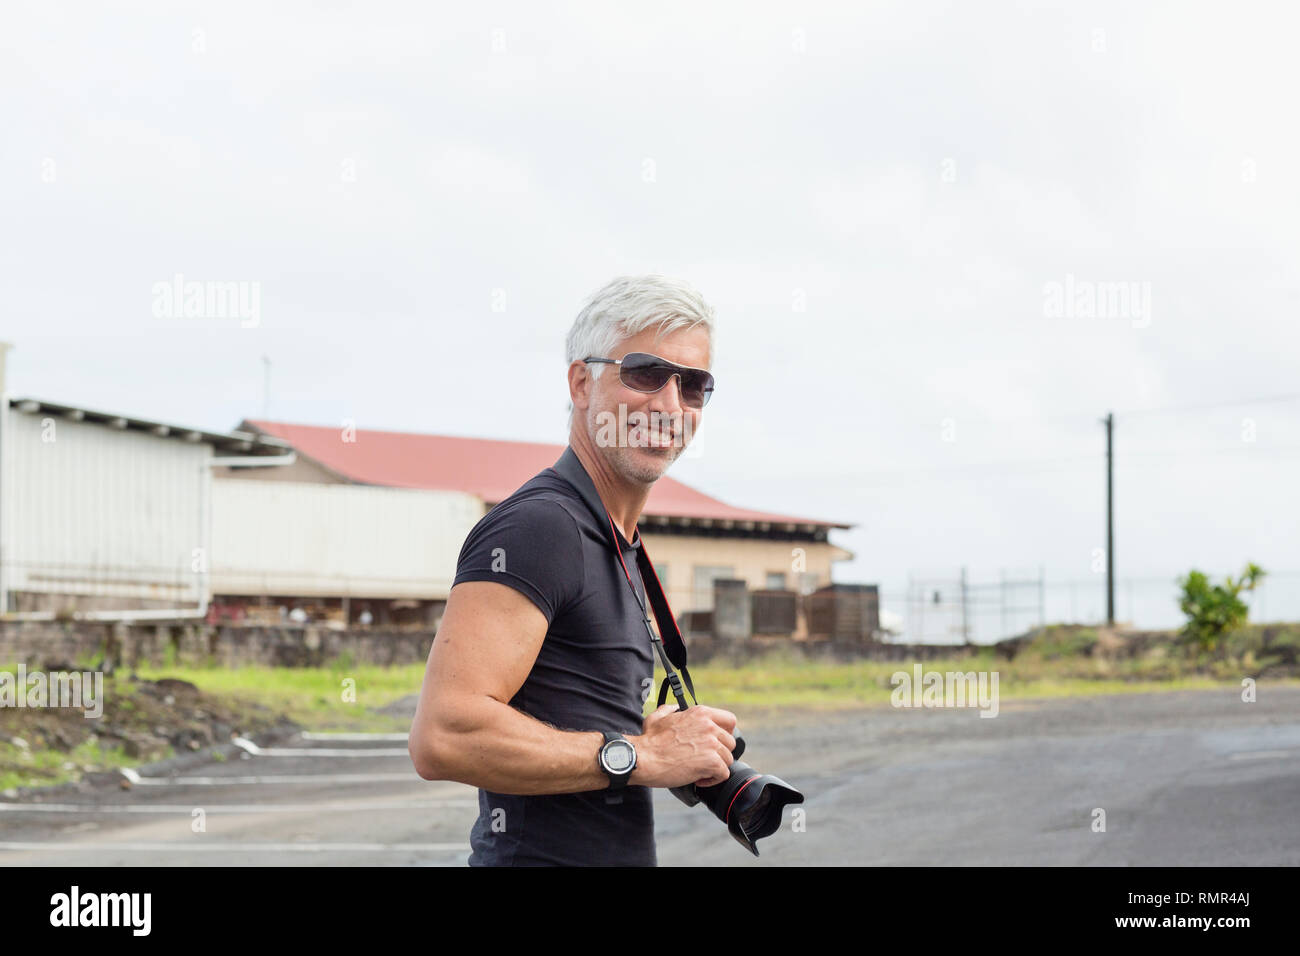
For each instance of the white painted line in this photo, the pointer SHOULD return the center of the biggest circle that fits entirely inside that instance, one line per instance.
(1262, 754)
(245, 847)
(334, 752)
(90, 808)
(276, 778)
(257, 751)
(342, 735)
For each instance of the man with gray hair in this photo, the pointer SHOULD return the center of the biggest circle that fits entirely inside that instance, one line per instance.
(537, 680)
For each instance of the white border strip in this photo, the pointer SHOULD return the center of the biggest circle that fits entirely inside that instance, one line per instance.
(245, 847)
(187, 809)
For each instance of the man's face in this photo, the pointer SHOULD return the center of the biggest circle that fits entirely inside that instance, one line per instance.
(658, 426)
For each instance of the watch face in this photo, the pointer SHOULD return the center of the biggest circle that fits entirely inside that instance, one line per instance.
(618, 756)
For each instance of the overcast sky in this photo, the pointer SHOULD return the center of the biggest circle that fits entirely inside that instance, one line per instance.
(884, 202)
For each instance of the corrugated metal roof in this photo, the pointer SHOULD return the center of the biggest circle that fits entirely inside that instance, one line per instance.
(248, 443)
(489, 468)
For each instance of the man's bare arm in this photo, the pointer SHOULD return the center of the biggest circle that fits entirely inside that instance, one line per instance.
(466, 730)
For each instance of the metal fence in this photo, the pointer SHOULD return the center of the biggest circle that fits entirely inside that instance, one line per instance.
(962, 607)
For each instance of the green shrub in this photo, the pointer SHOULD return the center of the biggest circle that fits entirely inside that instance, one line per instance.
(1213, 609)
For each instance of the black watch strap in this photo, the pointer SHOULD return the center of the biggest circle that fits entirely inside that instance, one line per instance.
(617, 782)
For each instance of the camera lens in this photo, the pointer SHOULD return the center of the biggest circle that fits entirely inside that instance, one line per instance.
(753, 816)
(749, 803)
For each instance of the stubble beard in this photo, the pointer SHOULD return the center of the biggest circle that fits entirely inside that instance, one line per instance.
(632, 464)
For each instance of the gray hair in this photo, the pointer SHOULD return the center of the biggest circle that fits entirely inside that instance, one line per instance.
(628, 306)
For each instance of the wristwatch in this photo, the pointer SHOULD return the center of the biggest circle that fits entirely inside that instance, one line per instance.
(617, 757)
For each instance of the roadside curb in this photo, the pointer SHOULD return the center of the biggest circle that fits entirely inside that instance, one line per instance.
(105, 779)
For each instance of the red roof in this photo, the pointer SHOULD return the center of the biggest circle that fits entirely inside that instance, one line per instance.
(488, 468)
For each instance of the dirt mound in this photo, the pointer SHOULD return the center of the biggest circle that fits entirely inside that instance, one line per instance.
(1254, 650)
(147, 720)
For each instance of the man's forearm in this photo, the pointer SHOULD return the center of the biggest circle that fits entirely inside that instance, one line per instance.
(493, 746)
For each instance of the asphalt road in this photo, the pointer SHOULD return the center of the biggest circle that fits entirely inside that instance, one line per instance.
(1185, 778)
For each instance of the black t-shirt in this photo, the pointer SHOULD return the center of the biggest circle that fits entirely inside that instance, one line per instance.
(594, 671)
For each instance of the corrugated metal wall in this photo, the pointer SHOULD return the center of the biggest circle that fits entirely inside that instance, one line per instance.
(101, 511)
(289, 538)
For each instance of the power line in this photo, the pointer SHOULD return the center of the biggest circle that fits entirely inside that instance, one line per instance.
(983, 465)
(1036, 464)
(1267, 399)
(1090, 417)
(1260, 450)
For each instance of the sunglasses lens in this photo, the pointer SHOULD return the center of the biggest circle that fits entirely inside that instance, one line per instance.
(647, 373)
(697, 388)
(644, 373)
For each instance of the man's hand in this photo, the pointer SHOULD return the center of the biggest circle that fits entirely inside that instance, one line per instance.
(679, 747)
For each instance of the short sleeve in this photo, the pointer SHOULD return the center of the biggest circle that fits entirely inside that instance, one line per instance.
(532, 545)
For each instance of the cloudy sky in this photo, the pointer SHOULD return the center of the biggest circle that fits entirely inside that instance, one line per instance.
(943, 241)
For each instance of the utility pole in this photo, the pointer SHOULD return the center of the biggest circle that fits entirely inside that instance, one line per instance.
(1002, 599)
(266, 388)
(965, 625)
(1109, 422)
(1042, 596)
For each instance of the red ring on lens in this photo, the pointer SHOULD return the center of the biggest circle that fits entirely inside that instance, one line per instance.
(727, 819)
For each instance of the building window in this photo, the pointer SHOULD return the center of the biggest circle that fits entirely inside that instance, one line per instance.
(808, 582)
(703, 577)
(775, 581)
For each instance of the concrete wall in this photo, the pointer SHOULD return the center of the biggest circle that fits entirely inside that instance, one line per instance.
(53, 645)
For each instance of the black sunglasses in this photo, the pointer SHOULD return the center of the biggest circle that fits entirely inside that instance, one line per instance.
(643, 372)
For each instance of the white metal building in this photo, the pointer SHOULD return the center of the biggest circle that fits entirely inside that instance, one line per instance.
(334, 541)
(101, 512)
(108, 516)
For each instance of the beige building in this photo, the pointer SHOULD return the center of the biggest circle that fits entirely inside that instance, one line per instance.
(694, 539)
(689, 558)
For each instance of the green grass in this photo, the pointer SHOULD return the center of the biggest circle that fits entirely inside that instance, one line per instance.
(310, 696)
(42, 767)
(783, 682)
